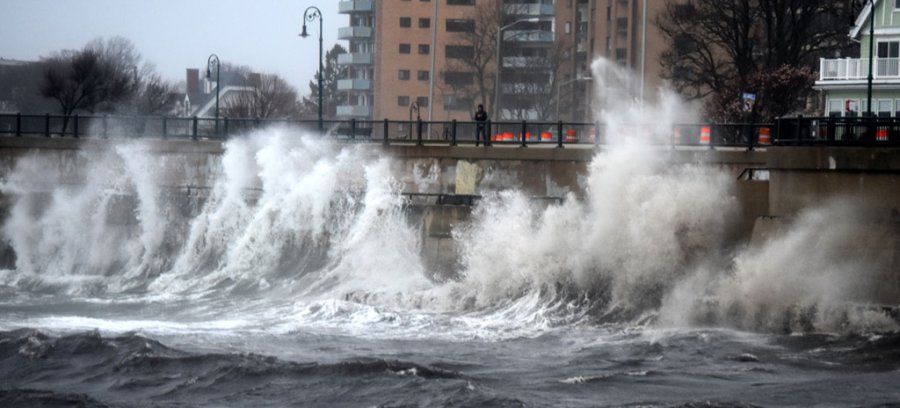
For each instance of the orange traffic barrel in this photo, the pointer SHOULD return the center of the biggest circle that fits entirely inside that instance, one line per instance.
(881, 135)
(765, 136)
(704, 135)
(495, 138)
(546, 137)
(571, 136)
(507, 136)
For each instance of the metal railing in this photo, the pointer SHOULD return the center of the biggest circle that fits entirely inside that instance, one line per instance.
(838, 131)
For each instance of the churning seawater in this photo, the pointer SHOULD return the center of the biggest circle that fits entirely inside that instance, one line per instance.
(296, 280)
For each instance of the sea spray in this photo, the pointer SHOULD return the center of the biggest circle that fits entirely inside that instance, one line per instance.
(822, 272)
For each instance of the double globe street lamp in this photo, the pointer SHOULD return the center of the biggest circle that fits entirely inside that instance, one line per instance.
(213, 58)
(312, 13)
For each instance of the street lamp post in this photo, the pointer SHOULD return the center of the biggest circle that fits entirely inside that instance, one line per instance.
(871, 55)
(500, 63)
(213, 58)
(312, 13)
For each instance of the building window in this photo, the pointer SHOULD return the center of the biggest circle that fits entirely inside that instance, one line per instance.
(460, 25)
(454, 78)
(403, 101)
(422, 101)
(424, 75)
(456, 103)
(424, 22)
(405, 48)
(834, 107)
(424, 49)
(884, 108)
(404, 75)
(568, 27)
(460, 51)
(896, 4)
(405, 22)
(460, 2)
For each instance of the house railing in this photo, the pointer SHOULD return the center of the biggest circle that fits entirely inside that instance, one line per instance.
(832, 131)
(858, 69)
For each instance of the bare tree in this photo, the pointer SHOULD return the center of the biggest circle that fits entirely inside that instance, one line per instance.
(97, 77)
(331, 98)
(271, 97)
(715, 46)
(472, 61)
(152, 96)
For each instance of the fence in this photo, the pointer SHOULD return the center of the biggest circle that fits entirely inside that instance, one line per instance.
(785, 131)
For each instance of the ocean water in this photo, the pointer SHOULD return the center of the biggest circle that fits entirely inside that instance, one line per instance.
(297, 281)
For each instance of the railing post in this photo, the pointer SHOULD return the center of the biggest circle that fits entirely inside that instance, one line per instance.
(225, 124)
(799, 129)
(489, 131)
(105, 126)
(524, 132)
(750, 139)
(353, 128)
(75, 127)
(18, 123)
(559, 134)
(194, 128)
(386, 129)
(164, 127)
(47, 125)
(453, 133)
(418, 131)
(597, 133)
(829, 129)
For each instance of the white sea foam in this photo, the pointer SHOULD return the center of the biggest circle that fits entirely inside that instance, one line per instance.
(299, 232)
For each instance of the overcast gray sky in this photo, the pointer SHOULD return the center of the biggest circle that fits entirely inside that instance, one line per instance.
(177, 34)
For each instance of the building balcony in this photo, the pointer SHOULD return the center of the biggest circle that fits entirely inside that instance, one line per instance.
(531, 10)
(525, 62)
(528, 36)
(355, 58)
(857, 69)
(349, 33)
(354, 111)
(356, 6)
(354, 85)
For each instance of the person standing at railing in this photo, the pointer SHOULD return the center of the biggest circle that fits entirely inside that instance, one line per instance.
(481, 126)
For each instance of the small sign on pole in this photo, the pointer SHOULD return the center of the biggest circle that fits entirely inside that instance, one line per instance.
(749, 99)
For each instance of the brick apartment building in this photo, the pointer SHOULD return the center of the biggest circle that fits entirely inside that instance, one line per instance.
(404, 56)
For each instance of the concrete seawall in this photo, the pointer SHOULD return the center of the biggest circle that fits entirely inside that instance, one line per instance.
(773, 184)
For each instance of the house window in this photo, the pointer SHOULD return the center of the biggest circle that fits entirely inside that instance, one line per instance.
(405, 48)
(424, 22)
(851, 108)
(888, 58)
(568, 27)
(424, 49)
(404, 75)
(896, 4)
(403, 101)
(884, 108)
(424, 75)
(405, 22)
(834, 107)
(422, 101)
